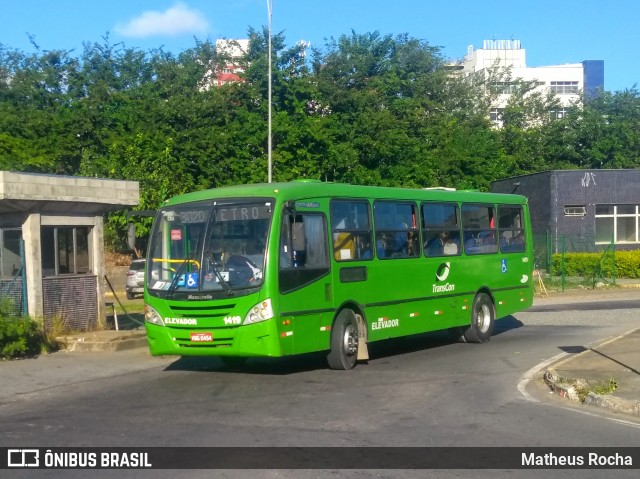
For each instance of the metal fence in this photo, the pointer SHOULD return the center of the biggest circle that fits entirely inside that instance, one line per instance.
(550, 254)
(70, 302)
(13, 290)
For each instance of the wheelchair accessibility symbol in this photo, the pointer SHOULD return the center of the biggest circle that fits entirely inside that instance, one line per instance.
(192, 280)
(504, 266)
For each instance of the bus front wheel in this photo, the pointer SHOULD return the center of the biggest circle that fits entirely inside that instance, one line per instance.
(344, 341)
(483, 315)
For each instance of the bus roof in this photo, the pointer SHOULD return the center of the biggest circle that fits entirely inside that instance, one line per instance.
(304, 189)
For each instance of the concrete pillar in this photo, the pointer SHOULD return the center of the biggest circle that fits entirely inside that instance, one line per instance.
(96, 244)
(33, 265)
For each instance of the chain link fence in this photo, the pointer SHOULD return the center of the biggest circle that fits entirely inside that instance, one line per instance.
(13, 289)
(556, 262)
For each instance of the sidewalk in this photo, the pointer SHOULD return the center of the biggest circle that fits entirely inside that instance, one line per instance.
(587, 376)
(605, 374)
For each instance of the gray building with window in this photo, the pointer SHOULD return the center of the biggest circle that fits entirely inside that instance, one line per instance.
(51, 244)
(597, 206)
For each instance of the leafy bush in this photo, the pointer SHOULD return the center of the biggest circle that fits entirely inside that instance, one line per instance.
(627, 264)
(20, 336)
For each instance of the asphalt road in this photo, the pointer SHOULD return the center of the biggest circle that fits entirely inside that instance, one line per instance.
(418, 391)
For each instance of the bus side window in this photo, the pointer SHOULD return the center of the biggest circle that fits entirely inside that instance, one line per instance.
(304, 254)
(351, 230)
(396, 229)
(511, 229)
(293, 252)
(479, 231)
(299, 244)
(440, 229)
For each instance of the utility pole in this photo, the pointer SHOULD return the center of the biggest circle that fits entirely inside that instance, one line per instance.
(269, 146)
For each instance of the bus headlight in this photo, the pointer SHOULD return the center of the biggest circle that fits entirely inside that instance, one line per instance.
(152, 316)
(260, 312)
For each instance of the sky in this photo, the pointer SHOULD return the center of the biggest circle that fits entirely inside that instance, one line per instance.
(552, 32)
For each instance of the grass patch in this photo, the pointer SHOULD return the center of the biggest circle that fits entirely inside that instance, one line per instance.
(570, 282)
(583, 388)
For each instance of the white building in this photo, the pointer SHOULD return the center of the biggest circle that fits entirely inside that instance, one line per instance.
(231, 71)
(567, 81)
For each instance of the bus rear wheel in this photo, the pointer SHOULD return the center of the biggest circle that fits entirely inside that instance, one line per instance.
(344, 341)
(483, 316)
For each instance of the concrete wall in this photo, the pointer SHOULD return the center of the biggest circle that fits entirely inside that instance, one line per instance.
(549, 192)
(537, 188)
(118, 278)
(75, 191)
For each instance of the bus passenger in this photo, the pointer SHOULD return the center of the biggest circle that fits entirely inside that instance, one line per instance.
(433, 247)
(470, 243)
(365, 248)
(449, 247)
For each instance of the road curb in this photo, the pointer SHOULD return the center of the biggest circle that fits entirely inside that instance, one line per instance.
(564, 388)
(613, 403)
(560, 386)
(92, 342)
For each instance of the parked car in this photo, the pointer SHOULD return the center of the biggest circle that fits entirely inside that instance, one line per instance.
(135, 278)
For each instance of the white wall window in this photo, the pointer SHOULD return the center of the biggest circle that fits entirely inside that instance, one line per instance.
(495, 115)
(559, 113)
(575, 210)
(564, 87)
(505, 88)
(619, 222)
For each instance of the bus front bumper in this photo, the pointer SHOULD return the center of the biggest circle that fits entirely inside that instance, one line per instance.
(260, 340)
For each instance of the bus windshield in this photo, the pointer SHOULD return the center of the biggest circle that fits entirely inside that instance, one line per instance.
(209, 246)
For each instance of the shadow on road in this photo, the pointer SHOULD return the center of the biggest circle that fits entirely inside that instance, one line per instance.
(267, 366)
(506, 324)
(314, 361)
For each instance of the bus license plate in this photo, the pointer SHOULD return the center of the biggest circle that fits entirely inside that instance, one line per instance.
(201, 337)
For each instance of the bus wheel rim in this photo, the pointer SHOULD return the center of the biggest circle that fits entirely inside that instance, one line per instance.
(483, 318)
(350, 340)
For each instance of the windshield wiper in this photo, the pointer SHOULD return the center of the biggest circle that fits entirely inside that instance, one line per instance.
(211, 263)
(174, 282)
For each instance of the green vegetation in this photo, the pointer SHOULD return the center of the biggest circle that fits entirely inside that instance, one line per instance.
(19, 336)
(364, 108)
(606, 388)
(583, 388)
(627, 264)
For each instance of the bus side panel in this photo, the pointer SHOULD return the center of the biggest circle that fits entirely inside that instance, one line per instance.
(515, 285)
(300, 318)
(398, 298)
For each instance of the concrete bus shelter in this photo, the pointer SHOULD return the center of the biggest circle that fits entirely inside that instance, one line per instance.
(60, 267)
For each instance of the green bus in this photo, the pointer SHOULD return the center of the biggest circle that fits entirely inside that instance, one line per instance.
(281, 269)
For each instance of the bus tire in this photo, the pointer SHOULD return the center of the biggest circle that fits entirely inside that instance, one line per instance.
(344, 341)
(456, 334)
(483, 316)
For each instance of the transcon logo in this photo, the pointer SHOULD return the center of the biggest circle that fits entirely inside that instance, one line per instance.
(443, 288)
(442, 273)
